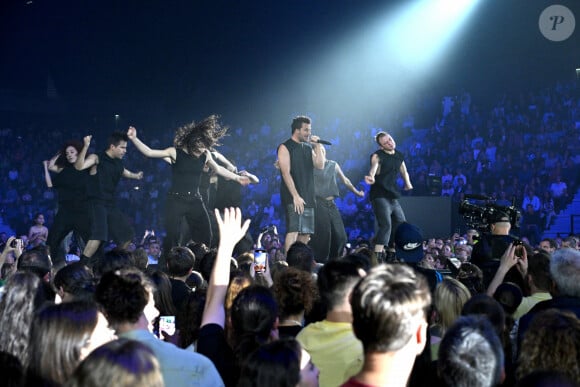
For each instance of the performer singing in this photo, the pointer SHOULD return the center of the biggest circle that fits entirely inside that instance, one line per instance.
(297, 158)
(188, 156)
(386, 164)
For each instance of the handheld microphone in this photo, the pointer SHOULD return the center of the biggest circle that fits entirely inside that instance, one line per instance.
(323, 142)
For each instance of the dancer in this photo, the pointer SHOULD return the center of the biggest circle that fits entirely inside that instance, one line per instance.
(188, 156)
(330, 237)
(386, 164)
(297, 158)
(106, 170)
(73, 211)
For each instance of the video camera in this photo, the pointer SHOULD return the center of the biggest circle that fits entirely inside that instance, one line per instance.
(480, 216)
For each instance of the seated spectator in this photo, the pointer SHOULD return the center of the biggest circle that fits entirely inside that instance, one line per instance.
(471, 354)
(279, 363)
(388, 309)
(120, 363)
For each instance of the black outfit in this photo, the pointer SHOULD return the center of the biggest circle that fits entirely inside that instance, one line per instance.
(180, 292)
(330, 237)
(73, 210)
(108, 222)
(212, 344)
(384, 194)
(301, 170)
(290, 331)
(486, 255)
(184, 201)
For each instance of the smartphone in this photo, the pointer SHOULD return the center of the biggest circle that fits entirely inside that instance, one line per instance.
(260, 256)
(167, 324)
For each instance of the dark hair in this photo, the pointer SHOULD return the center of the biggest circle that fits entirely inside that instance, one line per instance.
(36, 261)
(380, 135)
(539, 270)
(77, 280)
(470, 354)
(61, 160)
(61, 330)
(471, 276)
(335, 281)
(300, 256)
(254, 313)
(22, 296)
(509, 295)
(551, 241)
(484, 305)
(387, 306)
(116, 138)
(163, 300)
(295, 291)
(115, 259)
(298, 121)
(122, 363)
(123, 294)
(203, 135)
(180, 261)
(273, 364)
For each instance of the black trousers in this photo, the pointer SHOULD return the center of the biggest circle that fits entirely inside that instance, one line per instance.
(329, 236)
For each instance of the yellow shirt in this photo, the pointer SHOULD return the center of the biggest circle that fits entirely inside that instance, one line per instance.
(529, 302)
(333, 348)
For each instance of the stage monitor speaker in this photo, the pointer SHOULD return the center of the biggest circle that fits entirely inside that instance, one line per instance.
(432, 214)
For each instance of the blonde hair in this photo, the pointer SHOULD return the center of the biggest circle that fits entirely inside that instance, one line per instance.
(450, 296)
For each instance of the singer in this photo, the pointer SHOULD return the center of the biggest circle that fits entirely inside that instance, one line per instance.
(386, 164)
(297, 158)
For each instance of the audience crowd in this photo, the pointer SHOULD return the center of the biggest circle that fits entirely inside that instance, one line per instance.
(479, 309)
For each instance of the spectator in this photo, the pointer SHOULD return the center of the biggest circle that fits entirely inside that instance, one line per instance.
(388, 309)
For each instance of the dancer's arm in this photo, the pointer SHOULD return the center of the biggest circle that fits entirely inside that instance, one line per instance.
(84, 161)
(210, 162)
(347, 182)
(169, 153)
(405, 176)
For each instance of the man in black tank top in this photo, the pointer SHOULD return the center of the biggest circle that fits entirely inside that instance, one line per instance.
(386, 164)
(297, 158)
(106, 170)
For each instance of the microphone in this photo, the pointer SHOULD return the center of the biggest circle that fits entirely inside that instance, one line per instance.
(323, 142)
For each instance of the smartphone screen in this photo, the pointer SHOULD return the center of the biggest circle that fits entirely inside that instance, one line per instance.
(260, 256)
(167, 324)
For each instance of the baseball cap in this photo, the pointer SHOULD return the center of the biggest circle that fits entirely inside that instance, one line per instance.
(409, 243)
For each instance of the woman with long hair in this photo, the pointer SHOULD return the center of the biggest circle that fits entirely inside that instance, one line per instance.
(73, 212)
(61, 336)
(189, 155)
(23, 295)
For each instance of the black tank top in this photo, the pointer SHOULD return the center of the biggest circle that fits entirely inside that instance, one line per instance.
(186, 173)
(302, 171)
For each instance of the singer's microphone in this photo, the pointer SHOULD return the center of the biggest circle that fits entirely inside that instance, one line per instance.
(323, 142)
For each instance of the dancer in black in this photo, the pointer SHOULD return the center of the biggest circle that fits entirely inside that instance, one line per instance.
(106, 170)
(188, 156)
(73, 211)
(386, 164)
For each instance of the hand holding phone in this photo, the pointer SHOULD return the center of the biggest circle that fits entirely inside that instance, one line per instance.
(167, 324)
(260, 257)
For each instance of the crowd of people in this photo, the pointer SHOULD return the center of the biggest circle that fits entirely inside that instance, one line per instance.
(489, 307)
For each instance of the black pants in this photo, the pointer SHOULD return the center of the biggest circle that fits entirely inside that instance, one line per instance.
(67, 219)
(329, 236)
(191, 209)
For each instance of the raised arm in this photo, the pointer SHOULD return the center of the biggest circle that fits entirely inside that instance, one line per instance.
(84, 161)
(47, 177)
(405, 176)
(222, 160)
(318, 154)
(284, 165)
(370, 178)
(231, 232)
(348, 183)
(168, 154)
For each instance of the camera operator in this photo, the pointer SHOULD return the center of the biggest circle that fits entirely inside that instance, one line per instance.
(492, 245)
